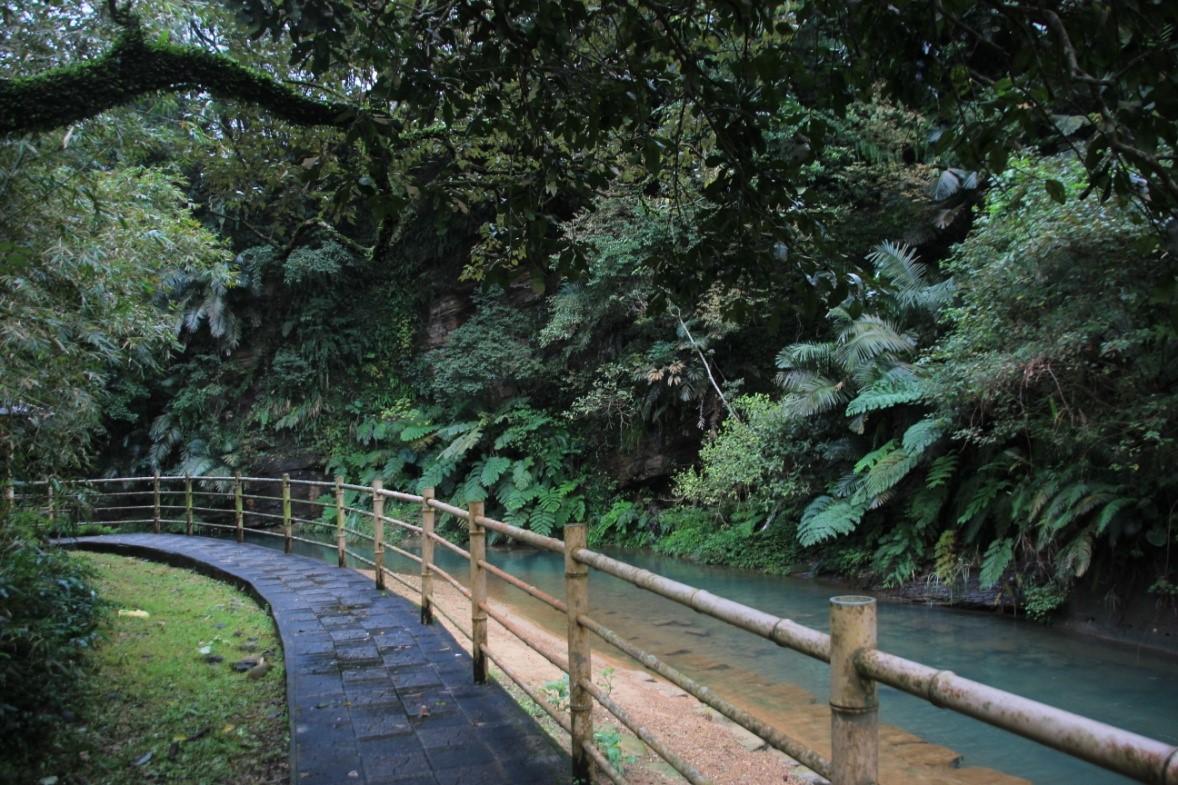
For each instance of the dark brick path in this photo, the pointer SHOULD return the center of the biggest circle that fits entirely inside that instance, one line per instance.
(374, 696)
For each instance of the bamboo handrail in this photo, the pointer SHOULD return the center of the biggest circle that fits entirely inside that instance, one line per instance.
(856, 664)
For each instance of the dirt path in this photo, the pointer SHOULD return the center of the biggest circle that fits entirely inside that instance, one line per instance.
(723, 751)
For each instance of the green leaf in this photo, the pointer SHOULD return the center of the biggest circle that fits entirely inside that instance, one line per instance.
(1056, 191)
(493, 469)
(826, 517)
(885, 393)
(995, 562)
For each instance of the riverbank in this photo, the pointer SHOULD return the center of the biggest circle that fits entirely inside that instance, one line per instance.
(723, 751)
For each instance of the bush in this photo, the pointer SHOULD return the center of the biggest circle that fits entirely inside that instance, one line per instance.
(48, 621)
(692, 533)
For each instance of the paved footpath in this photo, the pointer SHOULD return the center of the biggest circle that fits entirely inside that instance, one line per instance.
(374, 696)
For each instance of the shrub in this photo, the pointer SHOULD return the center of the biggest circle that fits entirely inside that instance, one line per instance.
(48, 621)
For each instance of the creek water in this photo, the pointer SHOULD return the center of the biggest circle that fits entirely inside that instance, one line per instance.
(1114, 683)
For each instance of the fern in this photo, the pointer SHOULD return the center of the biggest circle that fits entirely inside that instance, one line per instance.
(898, 263)
(940, 471)
(461, 445)
(945, 556)
(994, 563)
(886, 393)
(925, 505)
(521, 475)
(414, 433)
(826, 517)
(888, 472)
(986, 491)
(472, 489)
(491, 469)
(542, 521)
(436, 474)
(922, 435)
(876, 455)
(1110, 512)
(1073, 559)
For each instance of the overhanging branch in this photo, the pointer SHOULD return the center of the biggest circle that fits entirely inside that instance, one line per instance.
(133, 68)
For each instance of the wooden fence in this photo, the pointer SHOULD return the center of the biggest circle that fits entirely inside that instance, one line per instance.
(856, 665)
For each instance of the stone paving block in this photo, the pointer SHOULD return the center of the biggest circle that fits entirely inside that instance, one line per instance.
(468, 754)
(372, 692)
(488, 774)
(414, 677)
(369, 724)
(379, 764)
(362, 675)
(360, 668)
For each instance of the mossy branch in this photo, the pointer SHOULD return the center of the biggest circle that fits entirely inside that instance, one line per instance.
(135, 67)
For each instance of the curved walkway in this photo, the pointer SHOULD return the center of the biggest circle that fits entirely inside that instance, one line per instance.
(374, 696)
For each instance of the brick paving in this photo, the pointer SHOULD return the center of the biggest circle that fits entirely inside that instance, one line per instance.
(373, 695)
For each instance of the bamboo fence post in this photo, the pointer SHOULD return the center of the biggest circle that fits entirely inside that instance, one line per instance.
(854, 709)
(239, 507)
(576, 581)
(287, 527)
(341, 539)
(378, 531)
(51, 506)
(155, 503)
(427, 556)
(478, 592)
(188, 505)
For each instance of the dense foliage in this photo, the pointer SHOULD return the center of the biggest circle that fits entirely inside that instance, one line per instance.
(886, 288)
(48, 623)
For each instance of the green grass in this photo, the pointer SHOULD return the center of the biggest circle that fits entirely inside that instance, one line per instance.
(157, 710)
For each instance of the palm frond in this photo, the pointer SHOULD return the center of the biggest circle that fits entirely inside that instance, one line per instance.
(870, 337)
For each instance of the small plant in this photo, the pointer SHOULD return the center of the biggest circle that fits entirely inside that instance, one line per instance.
(557, 692)
(609, 741)
(1041, 602)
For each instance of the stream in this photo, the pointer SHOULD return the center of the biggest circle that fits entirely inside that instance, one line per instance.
(1114, 683)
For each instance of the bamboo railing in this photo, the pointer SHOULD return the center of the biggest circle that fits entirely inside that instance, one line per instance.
(856, 665)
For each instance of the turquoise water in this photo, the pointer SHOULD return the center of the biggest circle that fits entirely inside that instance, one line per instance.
(1113, 683)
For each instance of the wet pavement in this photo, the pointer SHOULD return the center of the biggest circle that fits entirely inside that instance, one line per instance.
(373, 695)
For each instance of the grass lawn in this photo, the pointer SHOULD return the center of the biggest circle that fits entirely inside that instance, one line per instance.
(165, 703)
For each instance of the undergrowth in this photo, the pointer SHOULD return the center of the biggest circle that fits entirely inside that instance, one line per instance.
(162, 701)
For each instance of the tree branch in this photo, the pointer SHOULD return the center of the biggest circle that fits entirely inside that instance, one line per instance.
(133, 68)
